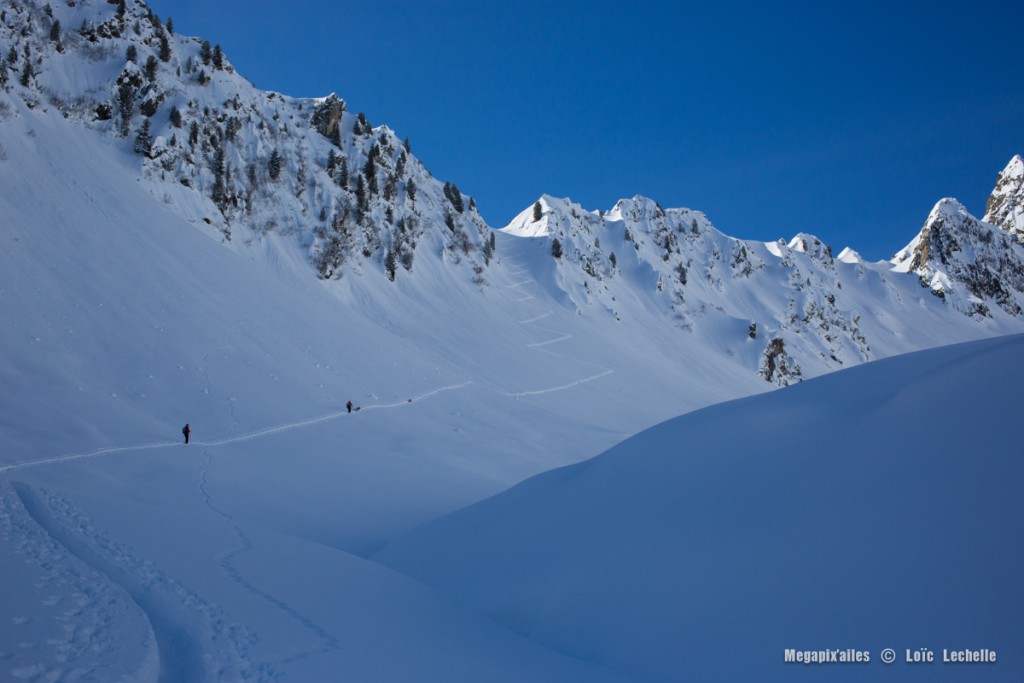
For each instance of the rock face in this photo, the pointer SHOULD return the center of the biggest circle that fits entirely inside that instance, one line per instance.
(1005, 207)
(977, 267)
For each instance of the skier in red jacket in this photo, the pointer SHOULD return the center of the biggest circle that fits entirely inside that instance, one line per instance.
(186, 431)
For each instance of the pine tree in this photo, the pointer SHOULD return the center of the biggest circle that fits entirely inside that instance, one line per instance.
(362, 196)
(370, 168)
(457, 199)
(170, 26)
(614, 261)
(410, 189)
(126, 106)
(165, 47)
(219, 192)
(3, 72)
(406, 145)
(489, 249)
(274, 165)
(193, 134)
(26, 71)
(218, 57)
(390, 264)
(206, 52)
(538, 211)
(175, 117)
(121, 8)
(55, 31)
(143, 141)
(342, 175)
(131, 54)
(150, 68)
(556, 248)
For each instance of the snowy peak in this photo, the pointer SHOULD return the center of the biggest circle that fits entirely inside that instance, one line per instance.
(976, 267)
(1005, 206)
(538, 220)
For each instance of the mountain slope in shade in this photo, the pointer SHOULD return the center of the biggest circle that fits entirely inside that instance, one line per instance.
(871, 508)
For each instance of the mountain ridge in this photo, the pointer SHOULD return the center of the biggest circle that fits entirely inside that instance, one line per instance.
(264, 171)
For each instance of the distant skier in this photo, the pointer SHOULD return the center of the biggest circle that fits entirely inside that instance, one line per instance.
(349, 406)
(186, 431)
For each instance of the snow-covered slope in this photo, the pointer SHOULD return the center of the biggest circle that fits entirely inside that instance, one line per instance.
(872, 508)
(802, 311)
(178, 246)
(239, 161)
(307, 181)
(126, 555)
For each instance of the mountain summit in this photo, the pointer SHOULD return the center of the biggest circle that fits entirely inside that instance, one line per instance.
(1005, 207)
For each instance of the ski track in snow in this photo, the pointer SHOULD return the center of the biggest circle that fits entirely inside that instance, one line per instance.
(536, 318)
(550, 341)
(192, 639)
(326, 641)
(222, 442)
(539, 346)
(190, 643)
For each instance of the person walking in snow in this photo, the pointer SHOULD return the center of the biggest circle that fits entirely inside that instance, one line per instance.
(186, 431)
(349, 406)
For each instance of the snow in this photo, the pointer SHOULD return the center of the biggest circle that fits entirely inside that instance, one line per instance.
(848, 255)
(870, 508)
(133, 304)
(126, 321)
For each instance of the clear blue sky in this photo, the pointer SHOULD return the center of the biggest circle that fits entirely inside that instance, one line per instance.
(845, 120)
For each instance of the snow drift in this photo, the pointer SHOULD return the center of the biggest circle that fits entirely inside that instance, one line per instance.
(876, 507)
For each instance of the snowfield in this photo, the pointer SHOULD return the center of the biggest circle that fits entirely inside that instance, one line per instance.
(875, 507)
(867, 508)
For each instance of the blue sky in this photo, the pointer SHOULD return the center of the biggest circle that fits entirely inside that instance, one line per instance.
(845, 120)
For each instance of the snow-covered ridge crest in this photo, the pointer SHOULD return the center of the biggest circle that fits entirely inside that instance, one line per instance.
(803, 308)
(306, 181)
(242, 163)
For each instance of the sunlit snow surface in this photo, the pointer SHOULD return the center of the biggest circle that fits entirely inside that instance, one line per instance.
(874, 508)
(845, 513)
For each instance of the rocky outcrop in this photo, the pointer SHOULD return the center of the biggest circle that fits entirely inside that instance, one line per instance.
(1005, 208)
